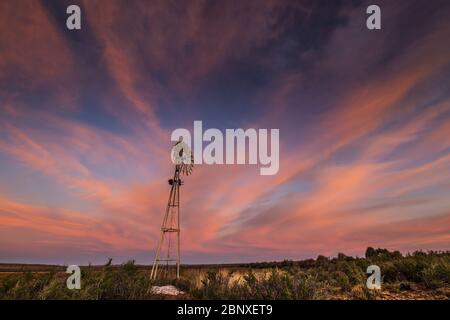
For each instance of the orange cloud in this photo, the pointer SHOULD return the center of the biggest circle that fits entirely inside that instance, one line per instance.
(373, 163)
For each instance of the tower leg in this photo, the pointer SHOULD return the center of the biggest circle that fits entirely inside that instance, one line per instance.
(178, 234)
(170, 224)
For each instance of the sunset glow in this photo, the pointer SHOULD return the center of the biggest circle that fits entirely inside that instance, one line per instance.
(87, 116)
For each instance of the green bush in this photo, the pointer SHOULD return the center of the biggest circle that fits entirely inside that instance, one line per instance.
(342, 280)
(436, 275)
(355, 274)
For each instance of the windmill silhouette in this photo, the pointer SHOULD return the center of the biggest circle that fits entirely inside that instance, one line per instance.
(184, 163)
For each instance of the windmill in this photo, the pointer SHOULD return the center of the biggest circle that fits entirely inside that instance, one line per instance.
(170, 228)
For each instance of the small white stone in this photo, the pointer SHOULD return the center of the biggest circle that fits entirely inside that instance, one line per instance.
(167, 290)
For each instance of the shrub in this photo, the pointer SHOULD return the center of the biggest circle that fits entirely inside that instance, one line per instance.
(282, 286)
(355, 274)
(342, 280)
(370, 253)
(360, 292)
(214, 286)
(436, 275)
(275, 285)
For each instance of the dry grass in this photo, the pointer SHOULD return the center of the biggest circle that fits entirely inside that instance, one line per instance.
(416, 276)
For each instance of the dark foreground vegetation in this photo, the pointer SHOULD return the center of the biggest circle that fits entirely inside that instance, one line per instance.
(414, 276)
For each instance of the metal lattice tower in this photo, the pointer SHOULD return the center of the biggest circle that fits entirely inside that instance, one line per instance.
(168, 250)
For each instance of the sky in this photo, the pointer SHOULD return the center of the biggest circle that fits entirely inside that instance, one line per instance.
(86, 118)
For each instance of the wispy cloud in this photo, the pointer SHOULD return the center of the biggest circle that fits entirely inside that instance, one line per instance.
(363, 121)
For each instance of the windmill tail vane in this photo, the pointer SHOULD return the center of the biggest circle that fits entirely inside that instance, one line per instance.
(168, 249)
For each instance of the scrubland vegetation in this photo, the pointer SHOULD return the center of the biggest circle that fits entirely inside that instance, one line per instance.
(414, 276)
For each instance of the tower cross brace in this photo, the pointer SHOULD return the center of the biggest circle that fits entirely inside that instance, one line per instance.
(169, 226)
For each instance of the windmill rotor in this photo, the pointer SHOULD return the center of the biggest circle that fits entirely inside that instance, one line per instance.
(183, 158)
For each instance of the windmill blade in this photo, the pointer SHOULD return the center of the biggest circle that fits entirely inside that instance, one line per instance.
(184, 157)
